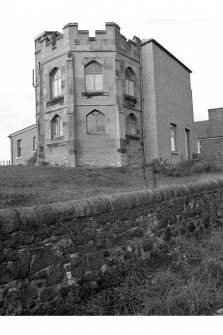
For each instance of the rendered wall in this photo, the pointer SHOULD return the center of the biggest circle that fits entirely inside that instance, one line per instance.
(173, 105)
(45, 250)
(27, 146)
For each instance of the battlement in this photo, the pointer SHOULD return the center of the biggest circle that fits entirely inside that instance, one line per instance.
(108, 39)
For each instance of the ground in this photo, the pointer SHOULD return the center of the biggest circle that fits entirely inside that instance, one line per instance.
(28, 186)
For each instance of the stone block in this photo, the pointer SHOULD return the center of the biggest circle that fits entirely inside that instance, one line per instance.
(9, 220)
(29, 292)
(55, 274)
(25, 260)
(95, 260)
(42, 274)
(118, 240)
(100, 241)
(47, 294)
(43, 258)
(78, 266)
(7, 274)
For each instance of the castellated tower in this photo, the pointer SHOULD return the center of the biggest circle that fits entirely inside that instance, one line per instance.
(109, 101)
(88, 97)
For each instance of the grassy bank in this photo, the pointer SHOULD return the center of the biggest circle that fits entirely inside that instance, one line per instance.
(28, 186)
(185, 278)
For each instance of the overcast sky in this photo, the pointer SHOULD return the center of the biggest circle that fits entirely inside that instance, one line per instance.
(192, 30)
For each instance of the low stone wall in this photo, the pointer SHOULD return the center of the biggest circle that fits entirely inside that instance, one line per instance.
(46, 249)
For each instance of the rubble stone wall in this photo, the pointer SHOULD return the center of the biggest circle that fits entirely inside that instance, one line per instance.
(46, 249)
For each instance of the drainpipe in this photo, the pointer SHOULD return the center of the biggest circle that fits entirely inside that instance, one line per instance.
(71, 58)
(37, 132)
(142, 104)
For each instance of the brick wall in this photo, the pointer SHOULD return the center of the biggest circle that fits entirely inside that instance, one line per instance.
(46, 249)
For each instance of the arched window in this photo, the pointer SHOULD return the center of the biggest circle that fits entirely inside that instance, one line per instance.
(55, 82)
(129, 81)
(56, 126)
(93, 77)
(95, 122)
(131, 124)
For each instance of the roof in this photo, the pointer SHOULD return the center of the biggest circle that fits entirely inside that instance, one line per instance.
(152, 40)
(33, 126)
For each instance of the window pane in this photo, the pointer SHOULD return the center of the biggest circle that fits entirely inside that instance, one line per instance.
(34, 143)
(59, 86)
(91, 123)
(127, 86)
(89, 68)
(100, 123)
(131, 88)
(173, 137)
(97, 68)
(129, 74)
(60, 127)
(89, 82)
(98, 82)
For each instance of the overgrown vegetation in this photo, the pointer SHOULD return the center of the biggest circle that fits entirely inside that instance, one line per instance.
(184, 168)
(32, 160)
(183, 279)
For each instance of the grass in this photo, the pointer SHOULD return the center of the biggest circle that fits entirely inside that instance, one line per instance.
(28, 186)
(186, 279)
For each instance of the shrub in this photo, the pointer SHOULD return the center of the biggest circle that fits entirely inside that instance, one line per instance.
(32, 160)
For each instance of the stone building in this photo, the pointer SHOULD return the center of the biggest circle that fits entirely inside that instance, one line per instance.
(23, 145)
(106, 100)
(210, 134)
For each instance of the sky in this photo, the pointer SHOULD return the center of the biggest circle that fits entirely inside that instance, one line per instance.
(191, 30)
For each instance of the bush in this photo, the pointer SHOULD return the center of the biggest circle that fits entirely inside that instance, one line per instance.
(187, 167)
(32, 160)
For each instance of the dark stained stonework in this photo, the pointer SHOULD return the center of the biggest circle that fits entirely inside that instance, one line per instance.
(42, 259)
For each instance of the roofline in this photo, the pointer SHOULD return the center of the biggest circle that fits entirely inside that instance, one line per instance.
(165, 50)
(22, 130)
(47, 32)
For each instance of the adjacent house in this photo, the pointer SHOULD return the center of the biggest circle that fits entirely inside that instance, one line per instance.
(210, 134)
(109, 101)
(23, 145)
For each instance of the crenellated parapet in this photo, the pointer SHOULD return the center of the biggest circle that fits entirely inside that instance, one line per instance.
(109, 39)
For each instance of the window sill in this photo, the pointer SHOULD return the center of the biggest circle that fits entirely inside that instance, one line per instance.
(94, 93)
(95, 133)
(56, 100)
(175, 153)
(20, 157)
(132, 137)
(57, 138)
(130, 98)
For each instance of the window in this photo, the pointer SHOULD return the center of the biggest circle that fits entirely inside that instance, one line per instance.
(131, 124)
(34, 143)
(19, 148)
(93, 77)
(198, 146)
(55, 82)
(95, 122)
(129, 81)
(187, 143)
(173, 129)
(56, 126)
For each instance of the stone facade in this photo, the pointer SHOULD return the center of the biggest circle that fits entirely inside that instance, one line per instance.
(210, 135)
(137, 89)
(47, 250)
(23, 144)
